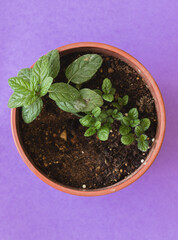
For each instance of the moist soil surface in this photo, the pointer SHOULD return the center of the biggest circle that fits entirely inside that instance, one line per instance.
(56, 144)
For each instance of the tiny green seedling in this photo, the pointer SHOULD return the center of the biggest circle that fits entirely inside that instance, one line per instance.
(97, 109)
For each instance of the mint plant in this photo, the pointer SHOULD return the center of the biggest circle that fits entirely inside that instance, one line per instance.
(100, 120)
(97, 109)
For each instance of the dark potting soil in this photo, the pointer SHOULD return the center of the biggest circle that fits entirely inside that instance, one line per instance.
(55, 140)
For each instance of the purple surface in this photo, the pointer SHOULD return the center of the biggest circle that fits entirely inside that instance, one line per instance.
(148, 209)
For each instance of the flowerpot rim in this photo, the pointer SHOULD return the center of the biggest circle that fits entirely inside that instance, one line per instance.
(160, 108)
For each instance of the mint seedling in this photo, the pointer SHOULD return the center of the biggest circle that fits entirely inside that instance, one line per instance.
(97, 109)
(121, 102)
(108, 90)
(140, 133)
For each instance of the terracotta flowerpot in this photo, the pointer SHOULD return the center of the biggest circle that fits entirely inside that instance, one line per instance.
(161, 116)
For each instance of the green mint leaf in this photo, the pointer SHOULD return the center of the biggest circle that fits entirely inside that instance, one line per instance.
(127, 139)
(89, 132)
(46, 84)
(31, 98)
(115, 111)
(19, 85)
(108, 125)
(124, 130)
(102, 117)
(143, 145)
(96, 111)
(16, 100)
(97, 124)
(103, 133)
(109, 112)
(54, 63)
(112, 91)
(133, 113)
(41, 69)
(34, 86)
(72, 107)
(25, 73)
(79, 104)
(108, 97)
(110, 120)
(66, 106)
(120, 101)
(91, 98)
(118, 116)
(145, 123)
(134, 123)
(125, 100)
(126, 121)
(98, 91)
(31, 112)
(138, 131)
(116, 105)
(143, 137)
(106, 86)
(86, 120)
(63, 92)
(83, 68)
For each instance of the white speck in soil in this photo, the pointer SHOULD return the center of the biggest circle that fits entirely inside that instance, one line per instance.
(84, 186)
(153, 139)
(142, 160)
(82, 152)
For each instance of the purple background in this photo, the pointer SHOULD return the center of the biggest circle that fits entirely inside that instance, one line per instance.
(148, 209)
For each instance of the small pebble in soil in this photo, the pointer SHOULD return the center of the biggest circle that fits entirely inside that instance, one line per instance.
(110, 70)
(82, 152)
(64, 135)
(142, 160)
(84, 186)
(153, 139)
